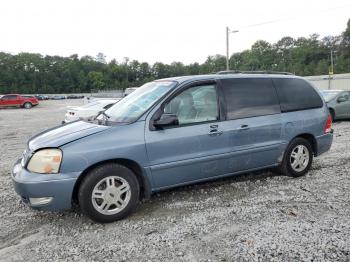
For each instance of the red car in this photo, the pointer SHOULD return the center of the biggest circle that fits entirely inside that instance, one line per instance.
(14, 100)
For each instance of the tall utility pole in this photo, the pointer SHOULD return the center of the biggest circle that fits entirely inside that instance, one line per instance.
(332, 65)
(227, 44)
(228, 31)
(331, 72)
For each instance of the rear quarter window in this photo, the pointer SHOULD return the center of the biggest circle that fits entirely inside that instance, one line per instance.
(296, 94)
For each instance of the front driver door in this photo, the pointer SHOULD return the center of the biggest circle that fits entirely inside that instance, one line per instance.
(190, 151)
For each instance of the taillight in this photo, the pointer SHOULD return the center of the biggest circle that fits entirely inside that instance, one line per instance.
(328, 126)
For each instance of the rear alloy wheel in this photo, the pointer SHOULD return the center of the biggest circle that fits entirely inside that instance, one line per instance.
(108, 193)
(27, 105)
(297, 158)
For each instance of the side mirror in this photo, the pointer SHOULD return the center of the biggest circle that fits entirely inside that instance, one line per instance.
(341, 99)
(166, 120)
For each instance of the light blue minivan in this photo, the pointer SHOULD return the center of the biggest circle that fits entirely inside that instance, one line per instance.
(173, 132)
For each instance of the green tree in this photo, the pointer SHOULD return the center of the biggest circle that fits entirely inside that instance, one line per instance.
(96, 80)
(35, 73)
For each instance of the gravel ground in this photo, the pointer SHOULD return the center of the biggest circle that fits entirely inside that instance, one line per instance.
(255, 217)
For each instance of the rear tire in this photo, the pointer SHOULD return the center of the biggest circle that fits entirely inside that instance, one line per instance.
(297, 158)
(27, 105)
(109, 193)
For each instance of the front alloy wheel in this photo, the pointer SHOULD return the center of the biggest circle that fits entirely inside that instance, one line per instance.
(111, 195)
(108, 193)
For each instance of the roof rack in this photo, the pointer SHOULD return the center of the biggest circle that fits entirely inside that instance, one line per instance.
(253, 72)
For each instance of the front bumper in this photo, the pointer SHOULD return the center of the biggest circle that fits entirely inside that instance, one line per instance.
(324, 143)
(58, 187)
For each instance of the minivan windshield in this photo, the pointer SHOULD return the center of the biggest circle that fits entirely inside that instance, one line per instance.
(131, 107)
(329, 95)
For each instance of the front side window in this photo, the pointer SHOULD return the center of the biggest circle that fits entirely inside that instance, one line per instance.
(9, 97)
(249, 97)
(194, 105)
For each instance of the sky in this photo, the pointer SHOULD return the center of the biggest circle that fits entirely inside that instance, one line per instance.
(159, 30)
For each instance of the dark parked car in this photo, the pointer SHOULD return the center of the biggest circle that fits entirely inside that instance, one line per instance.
(75, 96)
(175, 132)
(40, 97)
(58, 97)
(338, 102)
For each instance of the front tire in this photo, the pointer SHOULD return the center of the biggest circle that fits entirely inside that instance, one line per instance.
(298, 158)
(27, 105)
(109, 193)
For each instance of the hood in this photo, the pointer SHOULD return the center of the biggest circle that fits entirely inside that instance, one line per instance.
(60, 135)
(73, 107)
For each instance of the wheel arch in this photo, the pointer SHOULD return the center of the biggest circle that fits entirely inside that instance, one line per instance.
(311, 139)
(332, 112)
(145, 186)
(25, 102)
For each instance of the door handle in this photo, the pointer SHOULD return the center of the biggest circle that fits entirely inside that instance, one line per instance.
(242, 127)
(215, 132)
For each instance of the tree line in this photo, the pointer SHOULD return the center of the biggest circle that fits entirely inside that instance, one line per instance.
(35, 73)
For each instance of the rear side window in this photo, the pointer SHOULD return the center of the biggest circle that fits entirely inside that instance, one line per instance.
(249, 97)
(10, 97)
(296, 94)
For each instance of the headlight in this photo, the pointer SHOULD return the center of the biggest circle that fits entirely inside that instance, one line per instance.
(46, 161)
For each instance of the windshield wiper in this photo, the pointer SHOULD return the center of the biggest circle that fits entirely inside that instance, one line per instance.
(105, 116)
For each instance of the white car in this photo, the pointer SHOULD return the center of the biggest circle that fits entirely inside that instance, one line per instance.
(88, 111)
(129, 90)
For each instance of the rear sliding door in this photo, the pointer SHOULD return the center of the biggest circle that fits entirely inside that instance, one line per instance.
(253, 123)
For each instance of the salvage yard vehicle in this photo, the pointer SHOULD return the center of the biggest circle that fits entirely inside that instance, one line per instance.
(75, 97)
(57, 97)
(41, 97)
(15, 100)
(338, 102)
(88, 111)
(174, 132)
